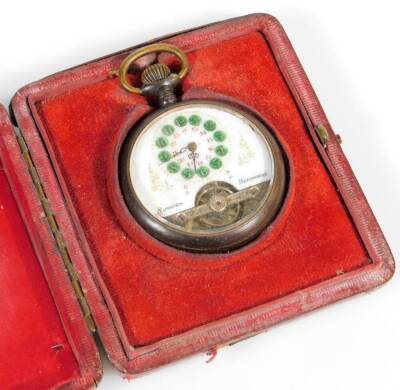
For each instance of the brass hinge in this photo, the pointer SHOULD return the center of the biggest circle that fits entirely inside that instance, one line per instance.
(52, 221)
(323, 134)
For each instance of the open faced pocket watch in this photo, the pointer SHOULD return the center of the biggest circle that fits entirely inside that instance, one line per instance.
(199, 175)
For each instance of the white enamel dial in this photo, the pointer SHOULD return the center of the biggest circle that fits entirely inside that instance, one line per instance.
(186, 148)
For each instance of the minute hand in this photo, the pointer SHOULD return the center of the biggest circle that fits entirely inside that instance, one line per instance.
(194, 161)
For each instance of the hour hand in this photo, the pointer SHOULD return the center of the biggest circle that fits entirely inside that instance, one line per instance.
(176, 153)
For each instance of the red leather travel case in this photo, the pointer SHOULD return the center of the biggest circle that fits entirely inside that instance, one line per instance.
(71, 266)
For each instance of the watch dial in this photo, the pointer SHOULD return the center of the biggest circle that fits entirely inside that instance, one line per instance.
(201, 169)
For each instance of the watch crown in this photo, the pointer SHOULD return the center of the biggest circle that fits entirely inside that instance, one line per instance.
(154, 73)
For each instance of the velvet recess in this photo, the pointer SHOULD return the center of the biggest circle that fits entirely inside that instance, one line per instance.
(159, 291)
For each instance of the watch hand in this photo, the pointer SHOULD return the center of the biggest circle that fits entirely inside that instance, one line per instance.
(192, 146)
(194, 161)
(177, 153)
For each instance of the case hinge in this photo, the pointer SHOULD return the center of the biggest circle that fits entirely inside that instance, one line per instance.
(322, 134)
(52, 221)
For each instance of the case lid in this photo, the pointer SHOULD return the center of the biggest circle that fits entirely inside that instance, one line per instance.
(44, 339)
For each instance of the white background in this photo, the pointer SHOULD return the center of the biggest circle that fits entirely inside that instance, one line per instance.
(350, 50)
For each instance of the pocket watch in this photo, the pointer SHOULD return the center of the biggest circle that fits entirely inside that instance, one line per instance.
(199, 175)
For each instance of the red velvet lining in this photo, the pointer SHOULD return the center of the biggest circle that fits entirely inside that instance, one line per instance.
(157, 299)
(34, 350)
